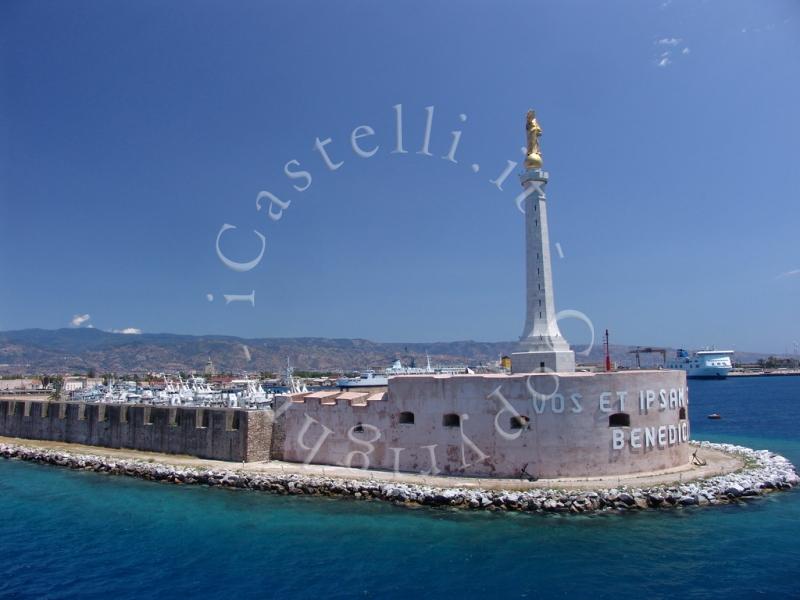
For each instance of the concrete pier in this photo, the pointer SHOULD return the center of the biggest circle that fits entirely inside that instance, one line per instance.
(709, 484)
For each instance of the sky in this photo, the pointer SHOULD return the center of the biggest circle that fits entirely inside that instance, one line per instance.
(139, 138)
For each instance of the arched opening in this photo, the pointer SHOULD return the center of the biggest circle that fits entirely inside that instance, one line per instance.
(359, 428)
(406, 418)
(451, 420)
(520, 422)
(619, 420)
(682, 413)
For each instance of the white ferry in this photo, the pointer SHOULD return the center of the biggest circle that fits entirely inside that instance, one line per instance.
(366, 379)
(371, 378)
(397, 368)
(703, 364)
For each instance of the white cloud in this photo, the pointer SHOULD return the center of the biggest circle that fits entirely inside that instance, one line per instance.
(128, 331)
(78, 320)
(670, 50)
(791, 273)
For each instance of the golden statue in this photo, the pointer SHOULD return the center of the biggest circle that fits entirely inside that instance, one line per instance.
(533, 158)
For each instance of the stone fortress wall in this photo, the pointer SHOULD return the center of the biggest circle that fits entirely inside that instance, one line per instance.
(214, 433)
(593, 424)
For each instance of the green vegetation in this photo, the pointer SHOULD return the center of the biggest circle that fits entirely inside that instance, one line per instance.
(773, 362)
(57, 381)
(314, 374)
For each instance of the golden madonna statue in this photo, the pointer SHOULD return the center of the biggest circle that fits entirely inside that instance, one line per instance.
(533, 156)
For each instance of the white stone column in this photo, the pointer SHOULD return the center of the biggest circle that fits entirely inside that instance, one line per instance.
(546, 349)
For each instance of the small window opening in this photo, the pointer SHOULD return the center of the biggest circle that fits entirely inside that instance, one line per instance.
(682, 413)
(619, 420)
(520, 422)
(451, 420)
(406, 418)
(359, 428)
(205, 418)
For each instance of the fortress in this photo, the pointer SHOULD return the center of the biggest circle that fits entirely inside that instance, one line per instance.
(215, 433)
(543, 420)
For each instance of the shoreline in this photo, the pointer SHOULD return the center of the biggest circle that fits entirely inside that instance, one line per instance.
(763, 472)
(792, 373)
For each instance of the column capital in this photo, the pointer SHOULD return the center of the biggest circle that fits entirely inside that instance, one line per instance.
(530, 175)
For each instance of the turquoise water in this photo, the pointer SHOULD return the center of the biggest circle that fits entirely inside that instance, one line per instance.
(67, 534)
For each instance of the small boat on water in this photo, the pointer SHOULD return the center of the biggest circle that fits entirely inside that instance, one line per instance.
(714, 416)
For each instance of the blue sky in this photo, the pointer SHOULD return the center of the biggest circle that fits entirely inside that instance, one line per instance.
(132, 132)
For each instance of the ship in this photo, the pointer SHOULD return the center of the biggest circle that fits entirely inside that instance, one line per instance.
(398, 368)
(365, 379)
(703, 364)
(372, 379)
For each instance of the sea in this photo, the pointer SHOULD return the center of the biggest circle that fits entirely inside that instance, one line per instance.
(69, 534)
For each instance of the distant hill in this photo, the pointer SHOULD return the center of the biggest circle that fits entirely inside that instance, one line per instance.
(77, 350)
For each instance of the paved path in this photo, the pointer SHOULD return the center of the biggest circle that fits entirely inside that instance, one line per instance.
(718, 463)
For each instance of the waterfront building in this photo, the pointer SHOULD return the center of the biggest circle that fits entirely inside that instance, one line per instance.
(21, 383)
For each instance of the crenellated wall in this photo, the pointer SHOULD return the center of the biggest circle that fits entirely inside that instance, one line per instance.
(215, 433)
(570, 425)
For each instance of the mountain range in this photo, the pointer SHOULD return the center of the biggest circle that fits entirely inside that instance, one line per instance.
(76, 350)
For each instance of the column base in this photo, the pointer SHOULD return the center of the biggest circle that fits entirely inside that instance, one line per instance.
(558, 361)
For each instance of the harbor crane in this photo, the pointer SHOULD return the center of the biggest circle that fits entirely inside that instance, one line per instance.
(648, 350)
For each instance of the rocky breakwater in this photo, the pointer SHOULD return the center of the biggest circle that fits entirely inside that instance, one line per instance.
(764, 472)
